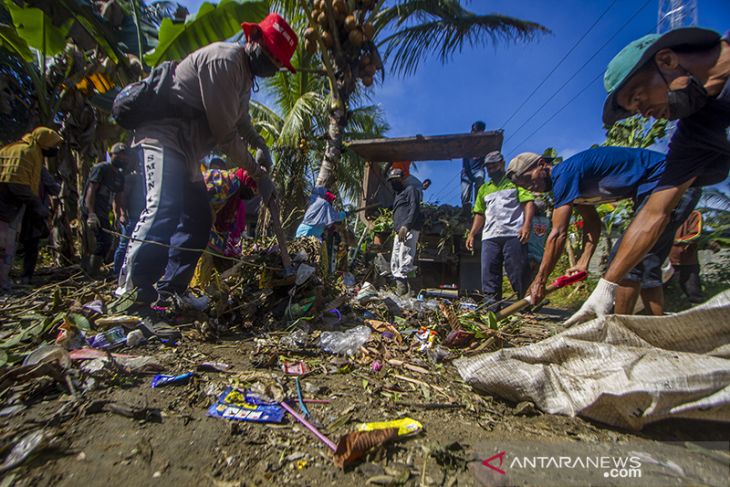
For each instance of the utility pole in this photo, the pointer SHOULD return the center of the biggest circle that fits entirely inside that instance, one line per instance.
(674, 14)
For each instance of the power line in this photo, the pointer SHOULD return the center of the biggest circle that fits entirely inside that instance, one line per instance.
(555, 93)
(570, 51)
(557, 112)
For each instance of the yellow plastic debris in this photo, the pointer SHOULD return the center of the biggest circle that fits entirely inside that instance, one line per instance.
(406, 426)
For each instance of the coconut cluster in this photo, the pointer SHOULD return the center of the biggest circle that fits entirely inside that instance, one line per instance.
(354, 33)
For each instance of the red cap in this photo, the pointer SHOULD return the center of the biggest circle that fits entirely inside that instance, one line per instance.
(330, 197)
(279, 39)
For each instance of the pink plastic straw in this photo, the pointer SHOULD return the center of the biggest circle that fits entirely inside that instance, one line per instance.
(309, 426)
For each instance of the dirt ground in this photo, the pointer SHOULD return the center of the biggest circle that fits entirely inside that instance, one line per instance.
(187, 447)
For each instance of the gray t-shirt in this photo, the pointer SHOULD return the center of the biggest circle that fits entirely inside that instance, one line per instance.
(216, 81)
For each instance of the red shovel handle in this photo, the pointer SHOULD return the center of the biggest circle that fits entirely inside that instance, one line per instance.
(563, 281)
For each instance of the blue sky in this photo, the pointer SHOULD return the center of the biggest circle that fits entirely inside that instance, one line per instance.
(490, 83)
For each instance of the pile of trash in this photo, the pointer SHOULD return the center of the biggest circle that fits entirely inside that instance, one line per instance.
(72, 341)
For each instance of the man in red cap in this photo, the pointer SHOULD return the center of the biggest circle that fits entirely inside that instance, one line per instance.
(213, 87)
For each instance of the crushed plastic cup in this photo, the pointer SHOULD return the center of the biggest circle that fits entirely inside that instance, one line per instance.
(135, 338)
(304, 272)
(345, 342)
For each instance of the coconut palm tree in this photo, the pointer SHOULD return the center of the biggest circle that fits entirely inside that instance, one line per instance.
(295, 126)
(349, 36)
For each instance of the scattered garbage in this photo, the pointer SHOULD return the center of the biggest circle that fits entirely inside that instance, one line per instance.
(27, 446)
(298, 368)
(354, 446)
(111, 338)
(233, 404)
(296, 339)
(424, 338)
(161, 380)
(47, 354)
(122, 320)
(304, 272)
(213, 367)
(404, 426)
(135, 338)
(348, 342)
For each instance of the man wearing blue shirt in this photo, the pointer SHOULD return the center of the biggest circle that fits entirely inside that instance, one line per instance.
(683, 75)
(589, 178)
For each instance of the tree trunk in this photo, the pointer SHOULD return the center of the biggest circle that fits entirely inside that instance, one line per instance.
(333, 148)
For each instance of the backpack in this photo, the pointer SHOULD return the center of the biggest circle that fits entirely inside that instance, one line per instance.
(148, 99)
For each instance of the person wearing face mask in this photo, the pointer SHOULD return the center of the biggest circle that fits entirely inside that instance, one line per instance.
(21, 163)
(407, 224)
(503, 213)
(105, 180)
(472, 173)
(586, 180)
(683, 75)
(214, 85)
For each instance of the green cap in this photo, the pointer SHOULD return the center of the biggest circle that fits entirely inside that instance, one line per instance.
(637, 53)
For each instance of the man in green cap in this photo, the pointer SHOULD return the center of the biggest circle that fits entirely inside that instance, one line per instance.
(683, 75)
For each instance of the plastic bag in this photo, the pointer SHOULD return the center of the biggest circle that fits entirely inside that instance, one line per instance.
(347, 342)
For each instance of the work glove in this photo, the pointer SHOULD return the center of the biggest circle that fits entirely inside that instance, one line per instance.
(403, 234)
(266, 187)
(263, 158)
(93, 221)
(599, 303)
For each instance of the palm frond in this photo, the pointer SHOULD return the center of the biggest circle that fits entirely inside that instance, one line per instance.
(419, 26)
(714, 199)
(298, 120)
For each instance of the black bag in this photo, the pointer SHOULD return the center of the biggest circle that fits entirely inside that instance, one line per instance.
(149, 99)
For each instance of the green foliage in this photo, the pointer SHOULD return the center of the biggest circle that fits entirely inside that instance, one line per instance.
(12, 42)
(552, 153)
(33, 26)
(637, 131)
(212, 23)
(384, 221)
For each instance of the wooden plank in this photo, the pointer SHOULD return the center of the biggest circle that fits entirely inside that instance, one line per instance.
(428, 148)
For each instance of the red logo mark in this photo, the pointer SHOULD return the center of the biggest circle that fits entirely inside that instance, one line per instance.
(488, 462)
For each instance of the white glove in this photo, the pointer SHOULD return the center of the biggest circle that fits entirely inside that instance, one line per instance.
(599, 303)
(93, 221)
(263, 158)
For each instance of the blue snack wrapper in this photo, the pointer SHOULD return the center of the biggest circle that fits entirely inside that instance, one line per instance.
(234, 404)
(111, 338)
(161, 380)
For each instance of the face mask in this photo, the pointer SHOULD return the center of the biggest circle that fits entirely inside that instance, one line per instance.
(397, 186)
(261, 65)
(496, 175)
(119, 163)
(685, 101)
(50, 152)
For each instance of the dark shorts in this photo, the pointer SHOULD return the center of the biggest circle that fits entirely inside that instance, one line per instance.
(649, 271)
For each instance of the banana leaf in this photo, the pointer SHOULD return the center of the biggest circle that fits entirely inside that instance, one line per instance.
(12, 42)
(211, 24)
(37, 29)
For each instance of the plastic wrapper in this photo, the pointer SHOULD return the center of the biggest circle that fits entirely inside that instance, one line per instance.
(111, 338)
(233, 404)
(161, 380)
(404, 426)
(347, 342)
